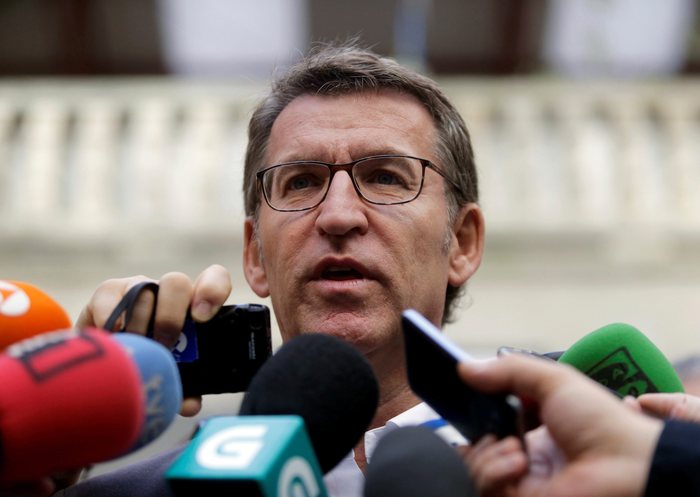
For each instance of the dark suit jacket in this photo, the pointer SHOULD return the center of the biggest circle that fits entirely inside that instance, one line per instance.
(675, 468)
(142, 479)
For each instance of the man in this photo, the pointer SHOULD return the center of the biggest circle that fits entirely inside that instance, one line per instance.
(361, 196)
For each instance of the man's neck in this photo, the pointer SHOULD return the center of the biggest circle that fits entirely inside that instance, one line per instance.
(393, 401)
(395, 394)
(399, 400)
(395, 397)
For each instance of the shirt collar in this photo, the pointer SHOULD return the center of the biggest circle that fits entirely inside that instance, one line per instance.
(416, 415)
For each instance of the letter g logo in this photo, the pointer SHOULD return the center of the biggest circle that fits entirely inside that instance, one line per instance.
(232, 448)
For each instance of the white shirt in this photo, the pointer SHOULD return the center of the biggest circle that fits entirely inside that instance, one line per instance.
(346, 479)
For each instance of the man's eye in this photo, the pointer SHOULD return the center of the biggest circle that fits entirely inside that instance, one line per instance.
(299, 183)
(385, 178)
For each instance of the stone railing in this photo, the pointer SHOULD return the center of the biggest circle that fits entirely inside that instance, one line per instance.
(89, 156)
(95, 157)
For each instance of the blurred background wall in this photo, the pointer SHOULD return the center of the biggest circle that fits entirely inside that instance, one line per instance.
(123, 127)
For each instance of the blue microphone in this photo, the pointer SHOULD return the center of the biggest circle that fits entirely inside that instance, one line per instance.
(160, 381)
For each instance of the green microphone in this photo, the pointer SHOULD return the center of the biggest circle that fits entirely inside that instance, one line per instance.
(623, 359)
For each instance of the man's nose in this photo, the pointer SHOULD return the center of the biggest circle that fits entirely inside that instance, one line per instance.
(342, 211)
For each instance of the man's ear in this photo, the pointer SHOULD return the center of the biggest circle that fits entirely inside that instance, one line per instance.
(253, 266)
(467, 245)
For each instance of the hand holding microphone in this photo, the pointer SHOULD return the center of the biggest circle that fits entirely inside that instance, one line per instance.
(178, 295)
(618, 357)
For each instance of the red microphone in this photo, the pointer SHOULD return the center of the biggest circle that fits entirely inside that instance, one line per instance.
(68, 399)
(26, 311)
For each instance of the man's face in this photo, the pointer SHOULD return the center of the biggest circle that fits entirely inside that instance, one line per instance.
(347, 267)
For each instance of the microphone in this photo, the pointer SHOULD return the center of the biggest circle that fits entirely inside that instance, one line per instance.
(160, 382)
(254, 456)
(327, 382)
(413, 461)
(26, 311)
(315, 384)
(622, 358)
(68, 399)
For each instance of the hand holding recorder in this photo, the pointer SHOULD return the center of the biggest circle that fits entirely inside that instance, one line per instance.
(598, 434)
(223, 346)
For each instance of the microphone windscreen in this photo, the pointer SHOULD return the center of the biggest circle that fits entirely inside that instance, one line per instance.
(413, 461)
(68, 399)
(160, 382)
(325, 381)
(622, 358)
(26, 311)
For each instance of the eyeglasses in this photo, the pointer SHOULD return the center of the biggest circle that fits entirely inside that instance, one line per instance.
(379, 179)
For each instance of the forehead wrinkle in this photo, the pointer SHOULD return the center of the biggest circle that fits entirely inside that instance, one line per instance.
(315, 132)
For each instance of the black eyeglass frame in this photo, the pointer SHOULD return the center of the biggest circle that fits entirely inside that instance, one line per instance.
(349, 166)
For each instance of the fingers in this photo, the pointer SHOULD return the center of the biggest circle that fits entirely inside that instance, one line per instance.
(496, 465)
(568, 402)
(546, 459)
(191, 406)
(518, 374)
(105, 298)
(204, 298)
(211, 289)
(142, 310)
(659, 404)
(174, 297)
(176, 294)
(632, 403)
(675, 405)
(534, 380)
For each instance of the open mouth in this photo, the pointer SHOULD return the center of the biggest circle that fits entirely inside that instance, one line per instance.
(338, 273)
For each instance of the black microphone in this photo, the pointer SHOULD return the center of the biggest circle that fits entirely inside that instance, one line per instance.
(327, 382)
(413, 461)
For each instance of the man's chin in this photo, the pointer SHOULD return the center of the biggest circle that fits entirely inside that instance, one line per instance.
(358, 330)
